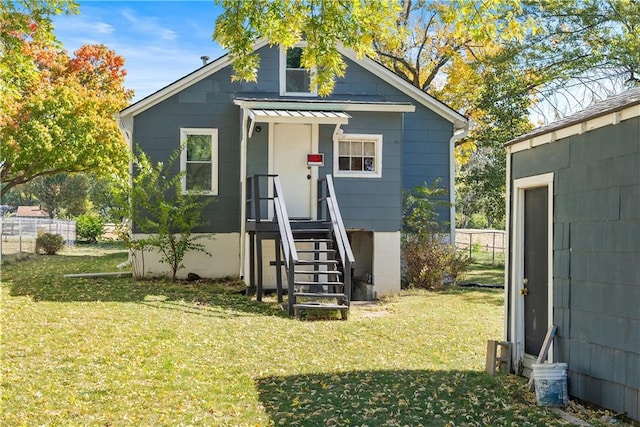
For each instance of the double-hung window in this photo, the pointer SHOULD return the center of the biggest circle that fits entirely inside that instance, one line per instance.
(358, 156)
(199, 160)
(295, 80)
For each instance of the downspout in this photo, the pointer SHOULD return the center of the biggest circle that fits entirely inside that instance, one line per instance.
(243, 191)
(457, 135)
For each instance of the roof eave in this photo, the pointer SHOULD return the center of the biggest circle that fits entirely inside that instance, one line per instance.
(182, 83)
(459, 121)
(577, 126)
(325, 105)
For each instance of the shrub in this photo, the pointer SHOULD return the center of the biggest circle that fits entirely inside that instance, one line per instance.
(428, 260)
(154, 201)
(49, 243)
(89, 227)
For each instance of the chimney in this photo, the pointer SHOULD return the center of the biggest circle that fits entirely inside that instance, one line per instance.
(204, 58)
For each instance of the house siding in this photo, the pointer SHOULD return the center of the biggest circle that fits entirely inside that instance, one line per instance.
(370, 203)
(206, 104)
(415, 145)
(425, 135)
(596, 248)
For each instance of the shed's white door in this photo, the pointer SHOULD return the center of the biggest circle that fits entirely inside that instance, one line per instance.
(531, 266)
(291, 144)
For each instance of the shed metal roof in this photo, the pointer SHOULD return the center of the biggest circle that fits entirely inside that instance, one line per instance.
(280, 116)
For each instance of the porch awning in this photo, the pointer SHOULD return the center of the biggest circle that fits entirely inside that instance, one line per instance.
(298, 116)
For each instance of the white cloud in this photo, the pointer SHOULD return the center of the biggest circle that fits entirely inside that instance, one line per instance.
(103, 28)
(160, 41)
(148, 25)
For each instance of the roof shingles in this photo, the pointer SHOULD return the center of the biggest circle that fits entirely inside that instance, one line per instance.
(615, 103)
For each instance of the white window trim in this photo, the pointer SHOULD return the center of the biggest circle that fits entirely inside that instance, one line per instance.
(377, 173)
(214, 159)
(283, 74)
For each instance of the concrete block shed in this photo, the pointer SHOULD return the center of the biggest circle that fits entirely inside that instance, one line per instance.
(574, 250)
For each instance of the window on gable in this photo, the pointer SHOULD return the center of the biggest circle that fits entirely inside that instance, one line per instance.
(198, 161)
(294, 78)
(358, 156)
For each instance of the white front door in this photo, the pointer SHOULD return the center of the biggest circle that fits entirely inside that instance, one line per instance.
(290, 144)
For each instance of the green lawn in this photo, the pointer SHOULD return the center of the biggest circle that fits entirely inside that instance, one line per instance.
(115, 352)
(485, 269)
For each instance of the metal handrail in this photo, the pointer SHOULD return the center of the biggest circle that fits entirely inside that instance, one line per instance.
(253, 196)
(339, 231)
(288, 244)
(282, 218)
(327, 209)
(336, 220)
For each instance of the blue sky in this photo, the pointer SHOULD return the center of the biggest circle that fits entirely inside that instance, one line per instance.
(161, 41)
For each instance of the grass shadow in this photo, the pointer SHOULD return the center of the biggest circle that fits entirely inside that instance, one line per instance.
(397, 398)
(42, 279)
(484, 272)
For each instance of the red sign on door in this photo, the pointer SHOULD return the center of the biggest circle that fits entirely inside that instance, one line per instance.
(315, 159)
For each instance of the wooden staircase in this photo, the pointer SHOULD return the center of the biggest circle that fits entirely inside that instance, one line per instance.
(318, 275)
(315, 253)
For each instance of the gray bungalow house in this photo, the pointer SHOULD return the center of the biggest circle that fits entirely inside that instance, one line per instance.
(373, 136)
(574, 250)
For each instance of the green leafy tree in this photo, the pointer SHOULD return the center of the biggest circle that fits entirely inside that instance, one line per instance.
(56, 111)
(584, 51)
(497, 61)
(61, 195)
(420, 208)
(502, 108)
(102, 198)
(428, 259)
(456, 51)
(157, 207)
(324, 24)
(18, 196)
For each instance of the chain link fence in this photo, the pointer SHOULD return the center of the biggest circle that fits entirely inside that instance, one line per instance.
(19, 234)
(491, 242)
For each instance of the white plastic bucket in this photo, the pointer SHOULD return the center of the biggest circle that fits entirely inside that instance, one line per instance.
(551, 383)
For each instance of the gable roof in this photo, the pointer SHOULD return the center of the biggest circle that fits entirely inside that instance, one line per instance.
(612, 110)
(459, 121)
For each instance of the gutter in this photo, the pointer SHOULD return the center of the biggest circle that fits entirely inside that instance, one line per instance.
(458, 134)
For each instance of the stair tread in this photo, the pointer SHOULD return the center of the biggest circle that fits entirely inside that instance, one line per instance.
(304, 283)
(313, 240)
(321, 306)
(319, 262)
(318, 272)
(311, 251)
(319, 295)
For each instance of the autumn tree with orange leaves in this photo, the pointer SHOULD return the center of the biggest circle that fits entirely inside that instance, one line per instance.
(56, 111)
